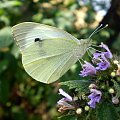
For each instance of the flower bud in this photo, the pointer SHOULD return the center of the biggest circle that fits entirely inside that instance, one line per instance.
(118, 71)
(8, 104)
(91, 86)
(111, 91)
(83, 96)
(115, 100)
(115, 62)
(87, 108)
(113, 74)
(103, 87)
(118, 79)
(75, 98)
(79, 111)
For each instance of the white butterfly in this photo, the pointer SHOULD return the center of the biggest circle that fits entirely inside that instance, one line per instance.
(47, 52)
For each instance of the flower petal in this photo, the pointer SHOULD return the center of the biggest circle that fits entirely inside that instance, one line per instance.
(64, 105)
(88, 69)
(96, 55)
(96, 91)
(92, 103)
(107, 54)
(67, 97)
(94, 97)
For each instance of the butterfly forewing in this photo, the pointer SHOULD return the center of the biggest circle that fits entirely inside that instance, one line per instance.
(49, 69)
(25, 33)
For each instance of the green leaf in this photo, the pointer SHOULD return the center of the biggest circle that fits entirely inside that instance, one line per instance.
(3, 65)
(18, 113)
(78, 85)
(15, 51)
(117, 88)
(106, 111)
(48, 22)
(9, 4)
(68, 117)
(4, 91)
(5, 19)
(5, 37)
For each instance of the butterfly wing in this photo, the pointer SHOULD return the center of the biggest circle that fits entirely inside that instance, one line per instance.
(47, 59)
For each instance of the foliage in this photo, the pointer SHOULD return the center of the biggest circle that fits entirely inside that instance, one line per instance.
(117, 88)
(66, 117)
(5, 37)
(107, 111)
(78, 85)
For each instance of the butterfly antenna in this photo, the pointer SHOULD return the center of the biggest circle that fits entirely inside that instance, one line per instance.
(97, 30)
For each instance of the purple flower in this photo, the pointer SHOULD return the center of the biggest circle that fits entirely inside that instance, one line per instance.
(101, 58)
(88, 69)
(94, 97)
(103, 64)
(67, 97)
(96, 55)
(63, 105)
(107, 54)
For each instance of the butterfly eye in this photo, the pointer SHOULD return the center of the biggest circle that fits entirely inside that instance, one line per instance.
(37, 39)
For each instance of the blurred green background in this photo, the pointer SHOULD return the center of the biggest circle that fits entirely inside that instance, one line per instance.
(21, 97)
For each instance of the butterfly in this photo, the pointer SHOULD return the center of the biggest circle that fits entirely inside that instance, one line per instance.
(47, 52)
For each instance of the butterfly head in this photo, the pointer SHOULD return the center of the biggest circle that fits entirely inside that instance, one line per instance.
(84, 44)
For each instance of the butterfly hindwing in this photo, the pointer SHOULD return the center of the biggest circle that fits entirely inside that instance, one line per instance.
(48, 70)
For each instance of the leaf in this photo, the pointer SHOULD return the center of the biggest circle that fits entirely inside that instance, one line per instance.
(78, 85)
(15, 51)
(18, 113)
(5, 37)
(9, 4)
(3, 65)
(68, 117)
(117, 88)
(106, 111)
(4, 91)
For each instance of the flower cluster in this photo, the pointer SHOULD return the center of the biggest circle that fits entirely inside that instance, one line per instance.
(104, 84)
(101, 60)
(95, 97)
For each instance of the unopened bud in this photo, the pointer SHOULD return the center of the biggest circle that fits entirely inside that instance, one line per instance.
(118, 71)
(8, 104)
(115, 62)
(111, 91)
(83, 96)
(87, 108)
(103, 87)
(113, 74)
(115, 100)
(118, 79)
(91, 86)
(75, 98)
(79, 111)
